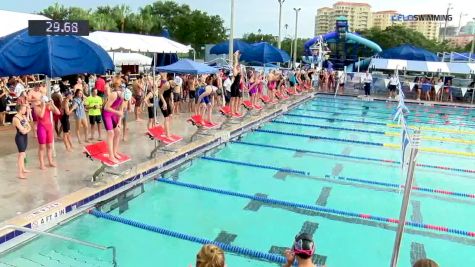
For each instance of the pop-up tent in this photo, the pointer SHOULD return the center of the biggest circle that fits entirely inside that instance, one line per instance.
(408, 52)
(264, 53)
(187, 66)
(223, 47)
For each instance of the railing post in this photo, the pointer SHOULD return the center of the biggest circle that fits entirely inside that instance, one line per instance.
(406, 197)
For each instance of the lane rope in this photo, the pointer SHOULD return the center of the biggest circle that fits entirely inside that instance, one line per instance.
(163, 231)
(365, 216)
(395, 162)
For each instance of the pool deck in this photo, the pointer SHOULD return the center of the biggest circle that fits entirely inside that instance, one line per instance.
(45, 196)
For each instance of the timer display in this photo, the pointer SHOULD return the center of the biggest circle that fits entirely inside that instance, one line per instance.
(58, 27)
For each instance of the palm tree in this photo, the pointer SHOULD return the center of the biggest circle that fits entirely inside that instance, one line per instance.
(121, 12)
(56, 11)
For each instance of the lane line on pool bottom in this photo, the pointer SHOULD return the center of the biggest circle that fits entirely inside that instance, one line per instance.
(349, 179)
(389, 125)
(351, 157)
(392, 146)
(226, 247)
(390, 134)
(414, 106)
(321, 209)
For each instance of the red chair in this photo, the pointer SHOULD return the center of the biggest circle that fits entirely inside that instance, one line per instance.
(157, 134)
(99, 151)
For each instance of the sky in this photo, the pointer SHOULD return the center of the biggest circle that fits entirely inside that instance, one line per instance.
(252, 15)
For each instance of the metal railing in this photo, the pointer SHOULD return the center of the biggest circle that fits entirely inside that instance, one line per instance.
(65, 238)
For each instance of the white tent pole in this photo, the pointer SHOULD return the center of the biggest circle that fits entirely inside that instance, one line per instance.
(154, 88)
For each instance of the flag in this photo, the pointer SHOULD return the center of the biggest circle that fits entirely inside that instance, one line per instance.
(386, 82)
(411, 86)
(464, 90)
(405, 141)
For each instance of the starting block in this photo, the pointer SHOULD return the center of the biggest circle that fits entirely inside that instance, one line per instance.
(281, 96)
(157, 134)
(290, 91)
(202, 125)
(249, 106)
(266, 100)
(99, 151)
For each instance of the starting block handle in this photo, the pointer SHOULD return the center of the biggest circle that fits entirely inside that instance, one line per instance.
(98, 172)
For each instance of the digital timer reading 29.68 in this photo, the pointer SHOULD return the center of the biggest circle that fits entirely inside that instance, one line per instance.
(55, 27)
(58, 27)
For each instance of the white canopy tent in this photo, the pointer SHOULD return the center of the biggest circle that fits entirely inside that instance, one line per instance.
(423, 66)
(121, 58)
(115, 41)
(11, 22)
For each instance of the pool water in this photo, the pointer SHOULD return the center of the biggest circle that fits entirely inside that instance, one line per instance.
(341, 240)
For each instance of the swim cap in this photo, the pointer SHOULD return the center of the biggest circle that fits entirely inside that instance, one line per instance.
(127, 94)
(303, 245)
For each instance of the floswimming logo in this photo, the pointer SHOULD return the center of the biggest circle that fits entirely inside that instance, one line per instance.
(421, 17)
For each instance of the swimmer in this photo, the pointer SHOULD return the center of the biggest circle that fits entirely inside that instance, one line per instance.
(20, 121)
(111, 116)
(205, 98)
(45, 130)
(302, 251)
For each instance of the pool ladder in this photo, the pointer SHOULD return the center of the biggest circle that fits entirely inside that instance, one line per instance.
(65, 238)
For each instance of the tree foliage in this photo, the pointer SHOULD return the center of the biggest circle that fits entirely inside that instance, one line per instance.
(185, 25)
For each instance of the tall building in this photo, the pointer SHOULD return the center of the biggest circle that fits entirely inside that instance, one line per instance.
(382, 19)
(358, 14)
(324, 20)
(360, 17)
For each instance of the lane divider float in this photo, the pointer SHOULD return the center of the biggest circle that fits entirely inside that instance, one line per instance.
(320, 208)
(395, 162)
(163, 231)
(388, 145)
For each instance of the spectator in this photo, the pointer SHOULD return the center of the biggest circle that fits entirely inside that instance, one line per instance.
(227, 86)
(392, 86)
(367, 80)
(57, 99)
(425, 263)
(138, 94)
(177, 91)
(94, 106)
(100, 85)
(302, 250)
(20, 121)
(45, 131)
(66, 110)
(19, 86)
(4, 92)
(80, 114)
(63, 86)
(112, 116)
(210, 256)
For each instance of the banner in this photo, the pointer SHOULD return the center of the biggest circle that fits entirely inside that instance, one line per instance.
(351, 75)
(464, 90)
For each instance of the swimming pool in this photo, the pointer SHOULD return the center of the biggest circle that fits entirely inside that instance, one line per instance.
(329, 167)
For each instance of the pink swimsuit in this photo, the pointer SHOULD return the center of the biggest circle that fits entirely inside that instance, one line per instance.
(111, 120)
(44, 130)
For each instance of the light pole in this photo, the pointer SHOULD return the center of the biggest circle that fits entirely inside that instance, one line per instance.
(473, 40)
(446, 15)
(279, 41)
(460, 22)
(231, 36)
(297, 10)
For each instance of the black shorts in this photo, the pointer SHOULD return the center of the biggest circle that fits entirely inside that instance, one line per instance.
(392, 88)
(227, 96)
(292, 83)
(192, 94)
(95, 119)
(3, 105)
(151, 112)
(176, 97)
(21, 141)
(166, 112)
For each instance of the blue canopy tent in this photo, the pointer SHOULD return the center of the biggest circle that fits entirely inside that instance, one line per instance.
(223, 47)
(187, 66)
(408, 52)
(52, 55)
(265, 53)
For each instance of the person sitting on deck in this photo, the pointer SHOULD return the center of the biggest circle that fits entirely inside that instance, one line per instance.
(302, 250)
